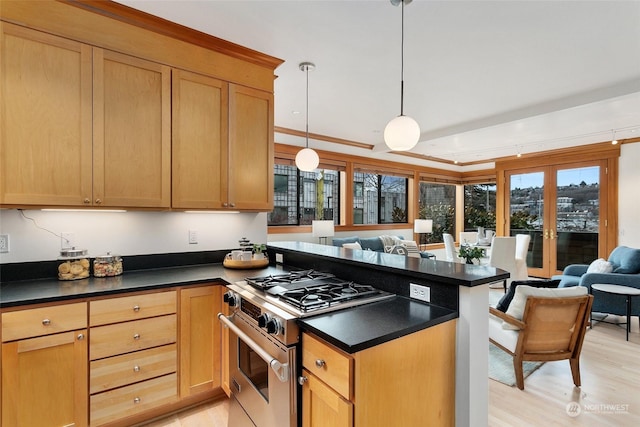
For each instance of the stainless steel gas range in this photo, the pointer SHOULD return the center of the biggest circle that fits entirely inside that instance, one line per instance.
(264, 339)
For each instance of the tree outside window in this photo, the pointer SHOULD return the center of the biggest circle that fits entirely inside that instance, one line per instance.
(438, 203)
(479, 206)
(379, 199)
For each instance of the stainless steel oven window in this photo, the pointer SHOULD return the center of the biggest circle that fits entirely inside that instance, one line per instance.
(254, 368)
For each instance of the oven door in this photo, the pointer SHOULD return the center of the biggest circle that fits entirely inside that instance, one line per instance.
(261, 375)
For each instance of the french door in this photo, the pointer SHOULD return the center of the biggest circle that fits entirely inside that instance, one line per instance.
(560, 208)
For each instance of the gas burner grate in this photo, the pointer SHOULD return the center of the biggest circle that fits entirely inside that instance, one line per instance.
(270, 281)
(321, 296)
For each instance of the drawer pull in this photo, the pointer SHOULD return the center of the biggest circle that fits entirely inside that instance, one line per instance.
(136, 308)
(136, 336)
(136, 400)
(302, 380)
(46, 322)
(80, 337)
(320, 363)
(136, 368)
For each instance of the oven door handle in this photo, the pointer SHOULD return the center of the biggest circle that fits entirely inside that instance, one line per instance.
(281, 369)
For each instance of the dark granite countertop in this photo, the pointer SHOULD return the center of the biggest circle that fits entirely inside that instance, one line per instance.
(440, 271)
(24, 292)
(368, 325)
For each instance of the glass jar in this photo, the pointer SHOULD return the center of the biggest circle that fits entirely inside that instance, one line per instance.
(107, 265)
(73, 264)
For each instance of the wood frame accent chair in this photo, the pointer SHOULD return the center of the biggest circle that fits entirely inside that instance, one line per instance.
(552, 328)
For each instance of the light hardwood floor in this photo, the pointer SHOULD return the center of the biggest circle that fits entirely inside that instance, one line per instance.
(609, 396)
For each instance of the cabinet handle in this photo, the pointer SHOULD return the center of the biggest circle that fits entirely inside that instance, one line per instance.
(320, 363)
(136, 368)
(98, 201)
(302, 380)
(46, 322)
(80, 337)
(136, 336)
(136, 400)
(225, 204)
(86, 201)
(136, 308)
(233, 205)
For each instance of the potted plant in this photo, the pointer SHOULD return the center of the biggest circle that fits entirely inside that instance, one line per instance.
(258, 249)
(469, 253)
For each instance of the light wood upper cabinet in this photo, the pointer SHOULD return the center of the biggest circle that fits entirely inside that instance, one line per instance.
(251, 149)
(131, 131)
(199, 141)
(45, 119)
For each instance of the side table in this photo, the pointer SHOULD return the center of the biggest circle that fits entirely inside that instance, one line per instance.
(627, 291)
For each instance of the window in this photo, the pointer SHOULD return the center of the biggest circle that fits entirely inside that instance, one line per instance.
(438, 203)
(301, 197)
(379, 199)
(479, 206)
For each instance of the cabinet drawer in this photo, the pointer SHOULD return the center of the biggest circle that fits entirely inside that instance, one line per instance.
(43, 321)
(130, 368)
(114, 310)
(112, 340)
(328, 364)
(129, 400)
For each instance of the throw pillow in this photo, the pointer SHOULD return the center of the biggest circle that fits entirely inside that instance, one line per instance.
(354, 245)
(398, 250)
(504, 302)
(600, 266)
(412, 248)
(516, 308)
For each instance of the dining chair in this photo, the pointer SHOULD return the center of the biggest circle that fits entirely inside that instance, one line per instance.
(522, 248)
(469, 237)
(503, 255)
(450, 248)
(550, 327)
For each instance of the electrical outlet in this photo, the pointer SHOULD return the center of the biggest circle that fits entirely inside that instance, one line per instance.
(423, 293)
(279, 258)
(193, 237)
(4, 243)
(67, 240)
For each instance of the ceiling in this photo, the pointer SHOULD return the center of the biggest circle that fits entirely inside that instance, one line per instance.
(483, 79)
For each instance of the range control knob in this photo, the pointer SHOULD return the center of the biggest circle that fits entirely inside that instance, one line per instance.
(230, 298)
(263, 320)
(274, 326)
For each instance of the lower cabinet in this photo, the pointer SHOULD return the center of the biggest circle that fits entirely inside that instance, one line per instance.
(44, 366)
(408, 381)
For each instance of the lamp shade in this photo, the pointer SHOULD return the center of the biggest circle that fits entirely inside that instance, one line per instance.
(402, 133)
(322, 228)
(423, 226)
(307, 160)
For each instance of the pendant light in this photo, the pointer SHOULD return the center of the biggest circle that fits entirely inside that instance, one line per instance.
(403, 132)
(307, 160)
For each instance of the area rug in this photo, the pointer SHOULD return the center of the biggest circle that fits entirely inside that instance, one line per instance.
(501, 366)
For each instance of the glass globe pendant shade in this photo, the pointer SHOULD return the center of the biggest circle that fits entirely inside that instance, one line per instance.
(401, 133)
(307, 160)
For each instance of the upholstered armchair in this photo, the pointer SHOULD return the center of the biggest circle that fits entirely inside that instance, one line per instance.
(622, 268)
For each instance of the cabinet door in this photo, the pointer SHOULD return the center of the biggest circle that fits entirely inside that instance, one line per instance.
(199, 339)
(323, 407)
(251, 149)
(199, 141)
(45, 119)
(131, 131)
(44, 381)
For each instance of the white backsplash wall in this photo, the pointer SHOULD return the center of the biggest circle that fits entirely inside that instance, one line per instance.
(125, 233)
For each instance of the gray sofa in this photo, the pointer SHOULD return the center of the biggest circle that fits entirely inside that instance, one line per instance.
(626, 272)
(370, 244)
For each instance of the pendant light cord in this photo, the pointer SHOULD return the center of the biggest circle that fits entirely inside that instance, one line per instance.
(307, 113)
(402, 63)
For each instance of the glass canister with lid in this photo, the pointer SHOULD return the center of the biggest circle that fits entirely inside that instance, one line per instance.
(73, 264)
(107, 265)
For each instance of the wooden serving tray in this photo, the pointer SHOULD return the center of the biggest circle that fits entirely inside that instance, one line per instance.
(240, 265)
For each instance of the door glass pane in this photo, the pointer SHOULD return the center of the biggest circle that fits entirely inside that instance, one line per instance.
(578, 215)
(254, 368)
(527, 212)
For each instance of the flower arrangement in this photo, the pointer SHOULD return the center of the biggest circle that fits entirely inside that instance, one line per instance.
(469, 253)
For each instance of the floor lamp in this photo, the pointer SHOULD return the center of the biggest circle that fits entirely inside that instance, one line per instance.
(322, 230)
(421, 227)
